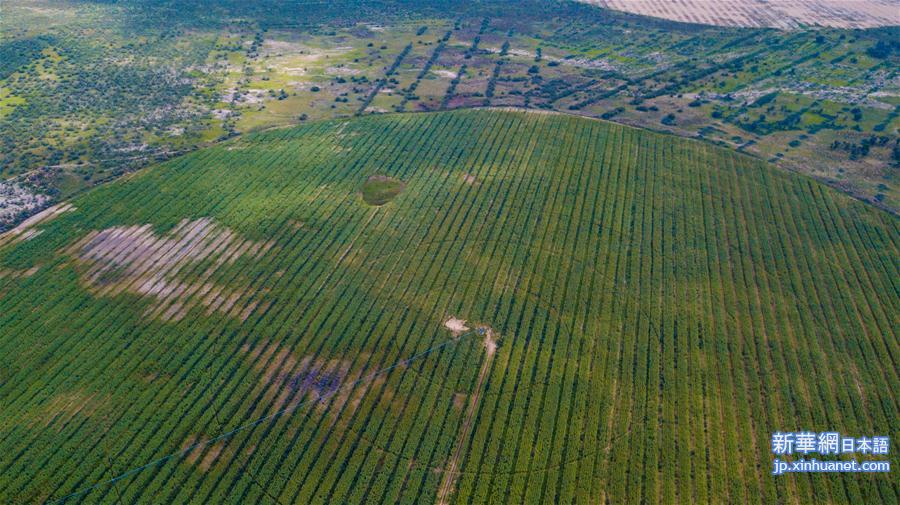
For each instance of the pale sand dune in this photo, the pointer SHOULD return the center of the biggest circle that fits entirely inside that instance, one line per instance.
(786, 14)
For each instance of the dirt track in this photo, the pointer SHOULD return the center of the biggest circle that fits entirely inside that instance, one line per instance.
(447, 484)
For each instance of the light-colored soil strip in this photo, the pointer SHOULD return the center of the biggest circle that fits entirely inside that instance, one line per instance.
(177, 292)
(450, 472)
(18, 274)
(25, 232)
(136, 260)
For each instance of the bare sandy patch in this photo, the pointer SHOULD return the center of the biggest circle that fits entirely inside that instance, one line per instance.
(285, 47)
(445, 73)
(135, 260)
(457, 326)
(785, 14)
(469, 179)
(490, 344)
(296, 59)
(30, 234)
(251, 96)
(9, 273)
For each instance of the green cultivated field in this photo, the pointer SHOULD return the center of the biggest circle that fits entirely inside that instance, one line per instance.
(660, 307)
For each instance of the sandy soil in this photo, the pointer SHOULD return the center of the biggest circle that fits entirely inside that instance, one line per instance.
(490, 345)
(134, 259)
(17, 274)
(457, 326)
(785, 14)
(445, 73)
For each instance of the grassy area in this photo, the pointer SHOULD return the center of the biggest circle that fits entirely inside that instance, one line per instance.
(660, 307)
(380, 189)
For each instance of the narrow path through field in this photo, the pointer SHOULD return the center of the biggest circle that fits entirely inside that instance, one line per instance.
(490, 347)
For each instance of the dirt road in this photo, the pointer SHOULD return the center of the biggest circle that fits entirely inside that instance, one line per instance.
(447, 484)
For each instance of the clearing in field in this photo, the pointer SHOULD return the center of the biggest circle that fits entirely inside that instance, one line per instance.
(134, 259)
(381, 189)
(457, 326)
